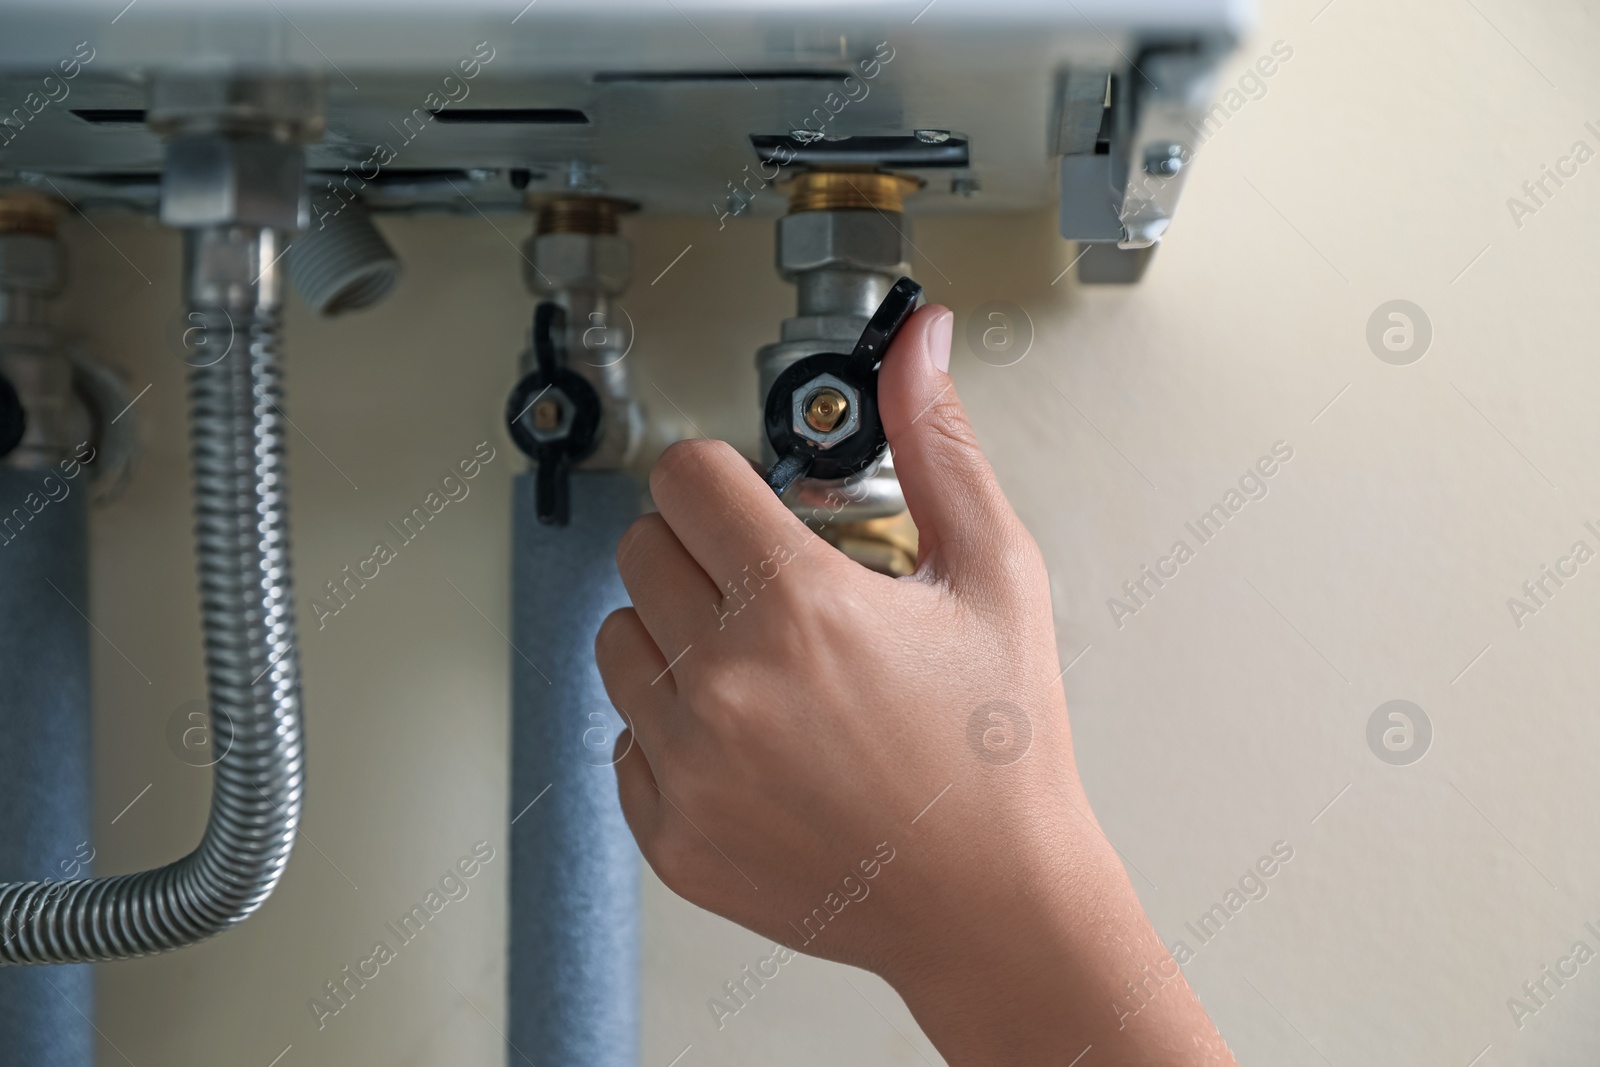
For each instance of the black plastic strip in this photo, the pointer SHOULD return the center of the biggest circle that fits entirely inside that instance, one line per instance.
(111, 116)
(656, 76)
(882, 151)
(511, 116)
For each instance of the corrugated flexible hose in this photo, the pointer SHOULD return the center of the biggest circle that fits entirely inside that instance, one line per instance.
(252, 672)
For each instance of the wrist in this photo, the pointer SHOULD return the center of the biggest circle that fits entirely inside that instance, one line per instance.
(1042, 969)
(1003, 982)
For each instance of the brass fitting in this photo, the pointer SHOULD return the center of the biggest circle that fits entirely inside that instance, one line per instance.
(581, 214)
(887, 545)
(826, 409)
(26, 211)
(833, 190)
(547, 414)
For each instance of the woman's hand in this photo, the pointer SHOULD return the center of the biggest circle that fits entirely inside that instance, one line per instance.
(879, 771)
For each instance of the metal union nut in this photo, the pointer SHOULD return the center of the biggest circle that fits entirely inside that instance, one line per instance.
(557, 261)
(218, 179)
(801, 401)
(853, 239)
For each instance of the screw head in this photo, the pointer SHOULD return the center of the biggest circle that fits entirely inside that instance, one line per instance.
(965, 186)
(826, 409)
(1164, 161)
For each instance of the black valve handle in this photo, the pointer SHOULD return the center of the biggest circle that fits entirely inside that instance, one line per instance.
(892, 314)
(556, 450)
(800, 455)
(13, 418)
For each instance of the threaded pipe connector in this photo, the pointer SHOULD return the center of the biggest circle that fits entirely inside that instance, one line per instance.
(342, 263)
(836, 190)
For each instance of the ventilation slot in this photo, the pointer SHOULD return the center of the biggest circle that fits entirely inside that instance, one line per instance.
(511, 116)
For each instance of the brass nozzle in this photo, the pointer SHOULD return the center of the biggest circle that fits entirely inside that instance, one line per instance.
(826, 410)
(832, 190)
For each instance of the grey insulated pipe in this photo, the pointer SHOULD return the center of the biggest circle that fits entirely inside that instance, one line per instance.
(574, 914)
(252, 667)
(44, 761)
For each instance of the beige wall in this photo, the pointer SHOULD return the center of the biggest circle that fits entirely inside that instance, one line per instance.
(1219, 720)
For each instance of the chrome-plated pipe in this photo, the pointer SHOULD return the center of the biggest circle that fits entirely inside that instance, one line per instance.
(252, 668)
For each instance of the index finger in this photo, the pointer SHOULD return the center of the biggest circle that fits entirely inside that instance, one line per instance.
(721, 510)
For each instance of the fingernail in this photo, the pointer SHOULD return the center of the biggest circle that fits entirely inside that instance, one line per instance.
(939, 341)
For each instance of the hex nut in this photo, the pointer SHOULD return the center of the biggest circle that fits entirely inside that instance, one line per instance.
(849, 239)
(32, 263)
(296, 103)
(547, 414)
(562, 427)
(801, 400)
(219, 179)
(557, 261)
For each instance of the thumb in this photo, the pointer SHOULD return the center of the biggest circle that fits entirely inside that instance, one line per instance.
(960, 512)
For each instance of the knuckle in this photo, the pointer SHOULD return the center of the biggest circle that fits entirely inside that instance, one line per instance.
(719, 696)
(733, 718)
(1032, 555)
(679, 462)
(696, 461)
(1020, 564)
